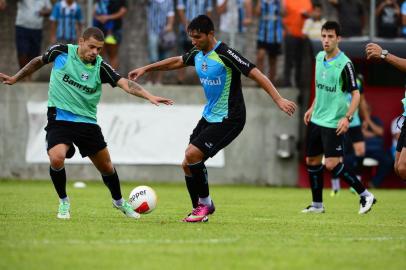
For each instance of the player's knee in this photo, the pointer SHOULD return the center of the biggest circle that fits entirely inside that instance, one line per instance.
(57, 161)
(313, 161)
(331, 164)
(192, 156)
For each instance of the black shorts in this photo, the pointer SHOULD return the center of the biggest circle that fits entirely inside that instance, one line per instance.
(325, 140)
(28, 41)
(354, 134)
(402, 139)
(212, 137)
(87, 137)
(272, 49)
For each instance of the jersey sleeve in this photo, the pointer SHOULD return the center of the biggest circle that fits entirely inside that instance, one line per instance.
(108, 74)
(349, 79)
(235, 60)
(189, 57)
(53, 52)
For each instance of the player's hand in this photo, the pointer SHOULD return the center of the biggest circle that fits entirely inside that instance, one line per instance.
(343, 126)
(135, 74)
(307, 116)
(7, 79)
(373, 51)
(156, 100)
(286, 106)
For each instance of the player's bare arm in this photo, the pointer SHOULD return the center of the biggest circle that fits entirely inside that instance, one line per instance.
(166, 64)
(31, 67)
(344, 123)
(375, 52)
(285, 105)
(308, 114)
(135, 89)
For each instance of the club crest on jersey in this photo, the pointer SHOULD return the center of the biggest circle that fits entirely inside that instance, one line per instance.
(204, 66)
(84, 76)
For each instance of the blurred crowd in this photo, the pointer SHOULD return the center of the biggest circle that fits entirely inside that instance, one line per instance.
(283, 26)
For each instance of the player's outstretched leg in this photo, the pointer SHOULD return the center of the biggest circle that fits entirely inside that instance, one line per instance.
(113, 184)
(367, 199)
(205, 206)
(316, 185)
(58, 178)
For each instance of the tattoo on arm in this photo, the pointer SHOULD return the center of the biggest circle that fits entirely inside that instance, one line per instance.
(134, 88)
(31, 67)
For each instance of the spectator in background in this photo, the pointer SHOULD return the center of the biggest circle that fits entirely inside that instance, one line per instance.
(160, 16)
(3, 5)
(235, 16)
(67, 22)
(312, 26)
(29, 23)
(101, 8)
(187, 10)
(269, 38)
(396, 128)
(388, 13)
(329, 11)
(116, 9)
(403, 12)
(350, 16)
(373, 132)
(295, 13)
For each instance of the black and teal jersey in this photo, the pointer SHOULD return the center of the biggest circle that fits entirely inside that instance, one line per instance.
(219, 72)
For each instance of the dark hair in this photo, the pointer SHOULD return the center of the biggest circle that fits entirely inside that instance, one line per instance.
(93, 32)
(202, 24)
(332, 25)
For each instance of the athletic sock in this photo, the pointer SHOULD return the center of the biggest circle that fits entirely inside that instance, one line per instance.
(359, 160)
(63, 200)
(317, 204)
(341, 171)
(58, 178)
(118, 202)
(335, 183)
(206, 201)
(192, 189)
(366, 193)
(199, 174)
(316, 182)
(113, 184)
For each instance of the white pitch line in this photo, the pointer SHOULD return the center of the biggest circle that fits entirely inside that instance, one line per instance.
(125, 241)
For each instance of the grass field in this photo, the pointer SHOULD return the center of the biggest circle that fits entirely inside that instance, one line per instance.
(253, 228)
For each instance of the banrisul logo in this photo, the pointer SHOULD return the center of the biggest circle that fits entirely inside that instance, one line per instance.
(66, 78)
(84, 76)
(207, 81)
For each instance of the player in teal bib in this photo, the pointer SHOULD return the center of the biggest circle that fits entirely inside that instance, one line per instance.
(219, 68)
(329, 118)
(375, 52)
(74, 93)
(354, 139)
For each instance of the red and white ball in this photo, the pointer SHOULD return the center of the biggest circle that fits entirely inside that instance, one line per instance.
(143, 199)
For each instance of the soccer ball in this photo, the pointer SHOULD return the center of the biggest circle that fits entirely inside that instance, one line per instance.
(143, 199)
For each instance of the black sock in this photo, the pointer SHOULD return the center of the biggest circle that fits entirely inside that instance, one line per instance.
(341, 171)
(59, 180)
(192, 188)
(199, 174)
(359, 160)
(113, 184)
(316, 181)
